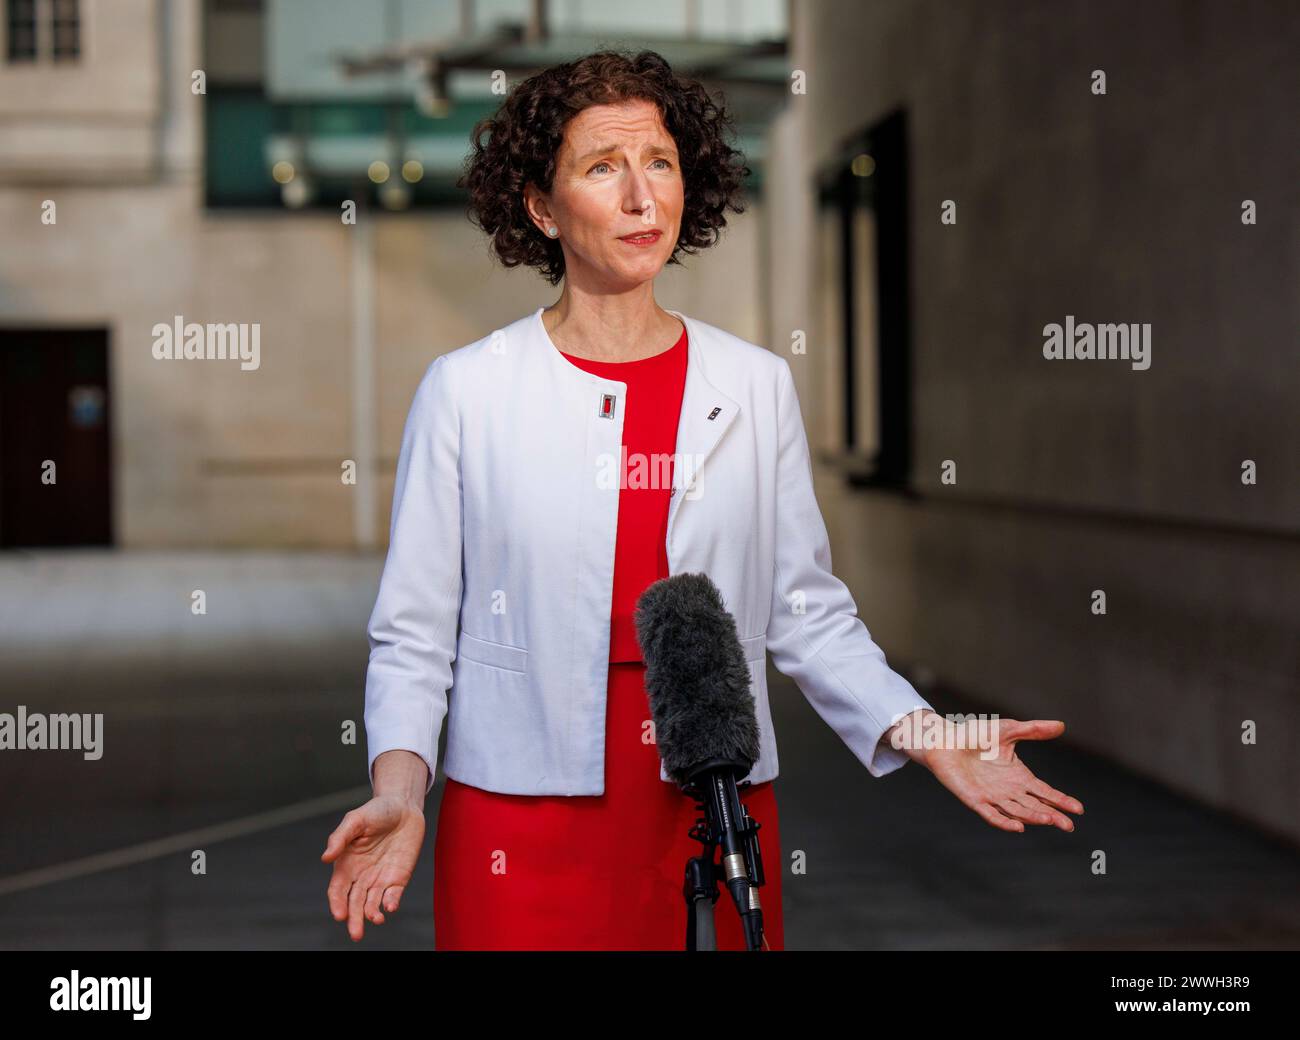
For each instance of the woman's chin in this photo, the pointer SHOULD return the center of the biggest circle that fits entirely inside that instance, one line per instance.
(638, 268)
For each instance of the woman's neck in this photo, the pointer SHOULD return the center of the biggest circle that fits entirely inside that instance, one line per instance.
(627, 327)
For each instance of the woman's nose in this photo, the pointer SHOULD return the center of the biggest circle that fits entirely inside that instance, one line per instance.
(639, 198)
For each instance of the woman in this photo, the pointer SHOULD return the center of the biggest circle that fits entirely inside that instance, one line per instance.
(558, 827)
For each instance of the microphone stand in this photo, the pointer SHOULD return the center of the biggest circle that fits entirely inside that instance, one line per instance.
(726, 823)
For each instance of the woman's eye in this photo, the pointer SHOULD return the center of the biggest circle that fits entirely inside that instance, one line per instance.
(667, 165)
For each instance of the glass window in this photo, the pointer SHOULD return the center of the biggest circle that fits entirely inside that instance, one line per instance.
(20, 30)
(865, 322)
(42, 30)
(66, 30)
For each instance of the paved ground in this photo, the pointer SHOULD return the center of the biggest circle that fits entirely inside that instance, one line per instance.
(221, 733)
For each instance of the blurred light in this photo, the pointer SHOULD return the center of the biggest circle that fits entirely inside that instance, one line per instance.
(378, 171)
(282, 172)
(395, 195)
(297, 193)
(412, 170)
(863, 165)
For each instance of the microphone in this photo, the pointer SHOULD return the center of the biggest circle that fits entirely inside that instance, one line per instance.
(706, 730)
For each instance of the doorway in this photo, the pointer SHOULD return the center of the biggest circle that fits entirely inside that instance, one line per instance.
(55, 463)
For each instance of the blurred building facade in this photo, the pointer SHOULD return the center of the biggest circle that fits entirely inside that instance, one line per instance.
(157, 148)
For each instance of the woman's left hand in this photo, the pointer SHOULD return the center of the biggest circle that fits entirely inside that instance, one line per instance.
(988, 777)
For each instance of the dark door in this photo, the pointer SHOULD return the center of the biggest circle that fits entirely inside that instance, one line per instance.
(54, 406)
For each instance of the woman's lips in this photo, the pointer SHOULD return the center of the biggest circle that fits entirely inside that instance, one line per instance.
(642, 238)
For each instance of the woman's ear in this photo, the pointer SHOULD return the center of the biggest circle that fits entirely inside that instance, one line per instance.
(535, 205)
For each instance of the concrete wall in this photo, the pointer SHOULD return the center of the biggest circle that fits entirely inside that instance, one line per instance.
(1082, 475)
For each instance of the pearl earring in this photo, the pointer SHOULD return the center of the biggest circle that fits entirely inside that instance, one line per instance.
(552, 231)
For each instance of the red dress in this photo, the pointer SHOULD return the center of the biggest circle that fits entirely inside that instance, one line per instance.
(600, 872)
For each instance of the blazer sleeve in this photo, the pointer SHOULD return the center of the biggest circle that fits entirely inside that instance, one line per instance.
(412, 629)
(814, 633)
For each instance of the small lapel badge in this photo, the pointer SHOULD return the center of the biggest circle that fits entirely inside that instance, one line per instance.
(714, 414)
(607, 406)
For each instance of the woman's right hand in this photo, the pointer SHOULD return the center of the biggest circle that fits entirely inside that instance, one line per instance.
(373, 849)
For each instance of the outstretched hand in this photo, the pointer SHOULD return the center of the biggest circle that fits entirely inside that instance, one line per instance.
(989, 778)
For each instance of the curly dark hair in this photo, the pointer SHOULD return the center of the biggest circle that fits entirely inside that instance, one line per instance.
(525, 133)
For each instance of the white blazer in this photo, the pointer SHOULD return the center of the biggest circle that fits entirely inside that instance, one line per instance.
(505, 510)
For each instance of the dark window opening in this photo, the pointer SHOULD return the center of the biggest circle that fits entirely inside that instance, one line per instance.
(20, 30)
(66, 25)
(56, 476)
(863, 206)
(42, 29)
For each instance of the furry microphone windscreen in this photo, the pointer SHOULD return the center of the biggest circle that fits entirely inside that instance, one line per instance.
(696, 675)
